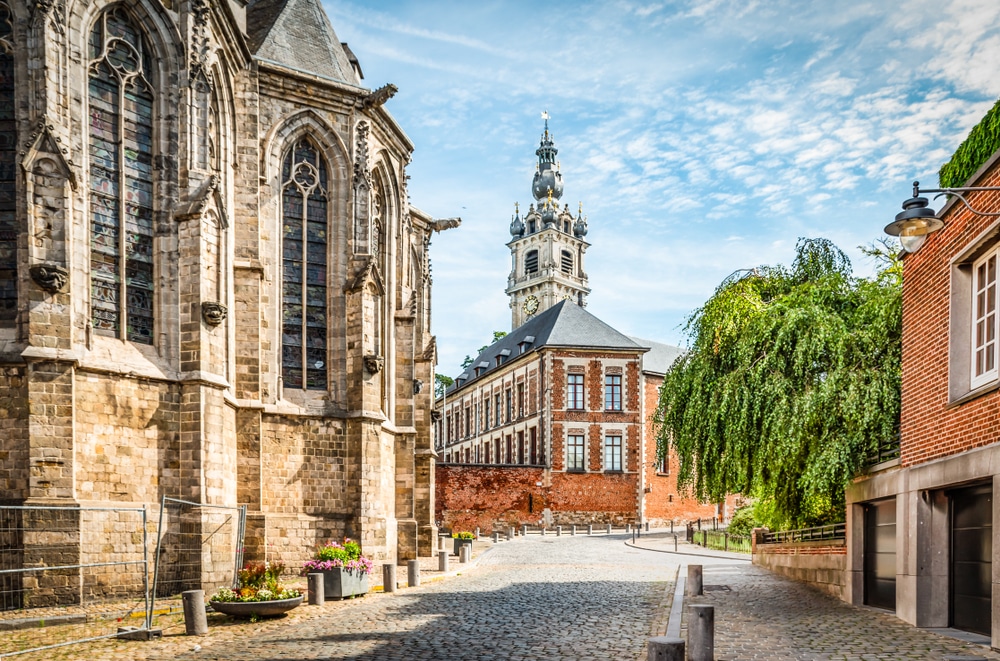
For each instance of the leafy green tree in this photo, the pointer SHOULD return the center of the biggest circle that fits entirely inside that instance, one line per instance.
(442, 383)
(792, 379)
(497, 336)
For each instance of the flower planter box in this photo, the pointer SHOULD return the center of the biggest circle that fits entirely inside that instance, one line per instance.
(344, 583)
(459, 543)
(258, 608)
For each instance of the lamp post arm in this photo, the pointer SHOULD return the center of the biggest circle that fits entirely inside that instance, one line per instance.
(958, 192)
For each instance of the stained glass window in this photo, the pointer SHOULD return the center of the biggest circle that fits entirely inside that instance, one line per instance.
(303, 249)
(8, 150)
(121, 179)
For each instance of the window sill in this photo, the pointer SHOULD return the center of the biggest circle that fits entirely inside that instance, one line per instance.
(612, 410)
(576, 470)
(619, 472)
(662, 474)
(974, 394)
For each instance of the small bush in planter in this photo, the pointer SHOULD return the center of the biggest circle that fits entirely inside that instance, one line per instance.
(464, 535)
(345, 570)
(258, 582)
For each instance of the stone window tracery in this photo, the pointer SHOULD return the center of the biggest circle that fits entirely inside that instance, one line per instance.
(304, 265)
(8, 172)
(120, 96)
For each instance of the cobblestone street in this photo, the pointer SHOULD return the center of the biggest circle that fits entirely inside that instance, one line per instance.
(582, 598)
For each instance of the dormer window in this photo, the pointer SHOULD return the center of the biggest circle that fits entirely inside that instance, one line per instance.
(525, 343)
(482, 367)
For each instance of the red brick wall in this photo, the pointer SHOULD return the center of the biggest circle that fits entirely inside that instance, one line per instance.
(663, 501)
(930, 427)
(467, 497)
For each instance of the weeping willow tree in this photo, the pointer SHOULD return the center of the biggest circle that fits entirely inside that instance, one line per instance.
(792, 379)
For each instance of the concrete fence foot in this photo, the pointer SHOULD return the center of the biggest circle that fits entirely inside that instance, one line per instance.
(609, 528)
(662, 648)
(496, 537)
(558, 531)
(317, 590)
(694, 582)
(389, 577)
(701, 633)
(572, 530)
(590, 529)
(413, 572)
(195, 619)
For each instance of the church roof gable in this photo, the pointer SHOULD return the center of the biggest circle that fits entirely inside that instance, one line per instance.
(298, 35)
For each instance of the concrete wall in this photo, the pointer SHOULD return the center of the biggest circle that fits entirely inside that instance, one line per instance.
(821, 564)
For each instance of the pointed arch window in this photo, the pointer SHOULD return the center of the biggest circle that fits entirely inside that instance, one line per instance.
(120, 97)
(8, 173)
(304, 288)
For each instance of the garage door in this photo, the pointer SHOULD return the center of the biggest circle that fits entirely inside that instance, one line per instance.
(880, 554)
(971, 558)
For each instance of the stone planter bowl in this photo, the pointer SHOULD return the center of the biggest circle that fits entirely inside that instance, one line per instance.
(258, 608)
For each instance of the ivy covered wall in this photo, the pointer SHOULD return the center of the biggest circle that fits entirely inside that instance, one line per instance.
(982, 143)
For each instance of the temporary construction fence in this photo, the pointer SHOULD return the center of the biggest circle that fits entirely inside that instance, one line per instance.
(81, 571)
(198, 547)
(70, 575)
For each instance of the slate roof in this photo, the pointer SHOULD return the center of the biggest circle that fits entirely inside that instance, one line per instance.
(565, 324)
(660, 357)
(298, 34)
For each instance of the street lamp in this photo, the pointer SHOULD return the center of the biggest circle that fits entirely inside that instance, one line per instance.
(916, 220)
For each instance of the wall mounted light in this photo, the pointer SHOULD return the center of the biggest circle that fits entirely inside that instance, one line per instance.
(916, 221)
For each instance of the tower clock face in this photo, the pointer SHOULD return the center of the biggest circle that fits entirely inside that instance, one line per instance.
(530, 305)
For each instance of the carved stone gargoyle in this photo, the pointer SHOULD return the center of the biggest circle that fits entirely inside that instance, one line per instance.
(373, 363)
(50, 277)
(213, 313)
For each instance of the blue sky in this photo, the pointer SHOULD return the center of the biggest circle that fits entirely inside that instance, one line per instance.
(701, 136)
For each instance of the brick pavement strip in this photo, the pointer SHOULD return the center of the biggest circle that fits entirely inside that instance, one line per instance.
(759, 615)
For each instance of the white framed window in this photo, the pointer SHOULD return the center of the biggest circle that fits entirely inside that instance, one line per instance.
(984, 320)
(613, 453)
(574, 452)
(574, 392)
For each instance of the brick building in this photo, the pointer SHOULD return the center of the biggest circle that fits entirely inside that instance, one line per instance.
(212, 284)
(921, 528)
(553, 423)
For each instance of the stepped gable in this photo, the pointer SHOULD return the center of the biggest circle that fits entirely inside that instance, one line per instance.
(298, 35)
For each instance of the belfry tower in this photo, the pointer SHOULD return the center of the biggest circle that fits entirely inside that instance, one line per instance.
(548, 244)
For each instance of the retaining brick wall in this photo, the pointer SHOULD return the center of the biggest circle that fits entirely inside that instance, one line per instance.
(821, 564)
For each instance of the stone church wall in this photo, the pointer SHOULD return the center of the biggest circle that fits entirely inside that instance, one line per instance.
(13, 434)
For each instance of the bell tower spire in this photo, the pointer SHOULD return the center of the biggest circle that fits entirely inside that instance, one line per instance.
(547, 245)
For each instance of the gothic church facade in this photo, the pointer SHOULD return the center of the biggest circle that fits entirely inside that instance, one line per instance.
(212, 284)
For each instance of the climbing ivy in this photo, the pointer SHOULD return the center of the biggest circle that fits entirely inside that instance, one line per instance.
(982, 143)
(792, 378)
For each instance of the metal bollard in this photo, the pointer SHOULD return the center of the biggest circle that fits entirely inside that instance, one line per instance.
(496, 537)
(512, 533)
(671, 526)
(558, 531)
(572, 530)
(628, 528)
(524, 529)
(442, 561)
(590, 529)
(701, 633)
(647, 526)
(662, 648)
(442, 543)
(609, 528)
(477, 532)
(413, 572)
(694, 582)
(543, 532)
(465, 554)
(317, 590)
(389, 577)
(195, 620)
(675, 543)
